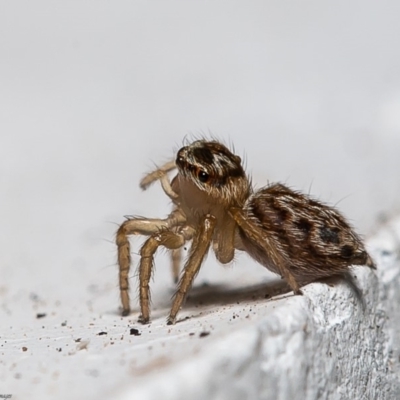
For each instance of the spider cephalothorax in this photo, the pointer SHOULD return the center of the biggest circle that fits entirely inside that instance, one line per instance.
(214, 169)
(291, 234)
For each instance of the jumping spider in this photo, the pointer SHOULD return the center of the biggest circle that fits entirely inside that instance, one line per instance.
(214, 203)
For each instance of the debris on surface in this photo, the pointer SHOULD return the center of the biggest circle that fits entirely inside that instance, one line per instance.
(134, 331)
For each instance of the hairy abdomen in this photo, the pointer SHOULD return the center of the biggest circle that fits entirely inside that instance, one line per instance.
(314, 239)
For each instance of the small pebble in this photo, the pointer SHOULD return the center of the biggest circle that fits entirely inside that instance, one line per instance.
(134, 331)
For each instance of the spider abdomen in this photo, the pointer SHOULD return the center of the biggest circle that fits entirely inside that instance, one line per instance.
(313, 239)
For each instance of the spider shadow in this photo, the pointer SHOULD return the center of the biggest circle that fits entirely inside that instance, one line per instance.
(208, 294)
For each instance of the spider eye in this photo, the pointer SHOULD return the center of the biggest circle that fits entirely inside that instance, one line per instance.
(203, 176)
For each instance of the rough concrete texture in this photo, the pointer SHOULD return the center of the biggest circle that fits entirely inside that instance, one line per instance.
(233, 341)
(326, 344)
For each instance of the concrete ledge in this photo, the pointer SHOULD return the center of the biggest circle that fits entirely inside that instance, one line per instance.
(252, 342)
(323, 345)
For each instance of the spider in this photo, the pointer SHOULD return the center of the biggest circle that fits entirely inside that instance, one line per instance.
(214, 204)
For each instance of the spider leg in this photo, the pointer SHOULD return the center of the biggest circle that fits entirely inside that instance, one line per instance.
(161, 174)
(137, 226)
(157, 174)
(166, 238)
(176, 259)
(176, 254)
(200, 246)
(256, 235)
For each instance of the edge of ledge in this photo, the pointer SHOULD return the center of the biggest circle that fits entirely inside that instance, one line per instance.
(323, 345)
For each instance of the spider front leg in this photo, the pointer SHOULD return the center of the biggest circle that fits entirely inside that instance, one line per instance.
(159, 174)
(260, 239)
(137, 226)
(168, 239)
(200, 246)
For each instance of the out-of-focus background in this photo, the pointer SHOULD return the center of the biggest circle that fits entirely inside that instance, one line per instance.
(92, 93)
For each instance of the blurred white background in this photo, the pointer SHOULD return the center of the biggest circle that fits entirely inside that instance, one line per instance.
(93, 92)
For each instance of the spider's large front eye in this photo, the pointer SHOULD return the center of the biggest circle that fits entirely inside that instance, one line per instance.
(203, 176)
